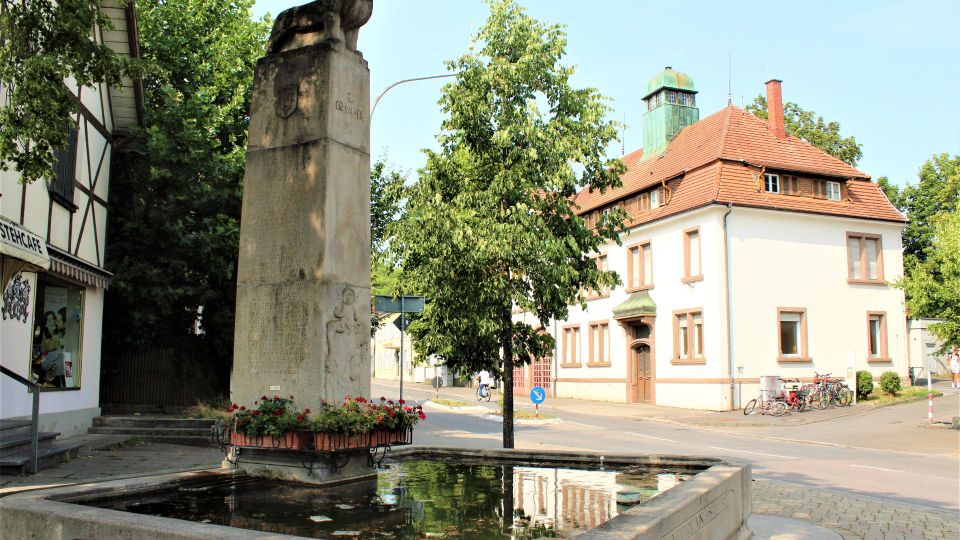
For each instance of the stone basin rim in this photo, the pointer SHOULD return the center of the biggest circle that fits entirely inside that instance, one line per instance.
(60, 510)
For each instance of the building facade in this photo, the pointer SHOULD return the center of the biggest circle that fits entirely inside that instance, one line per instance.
(53, 247)
(748, 252)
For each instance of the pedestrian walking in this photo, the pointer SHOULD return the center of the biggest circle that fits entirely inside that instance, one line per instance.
(483, 387)
(954, 363)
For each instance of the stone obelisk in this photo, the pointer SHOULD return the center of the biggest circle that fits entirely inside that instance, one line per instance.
(303, 283)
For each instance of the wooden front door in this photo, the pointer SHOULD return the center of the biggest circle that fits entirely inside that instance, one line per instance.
(642, 379)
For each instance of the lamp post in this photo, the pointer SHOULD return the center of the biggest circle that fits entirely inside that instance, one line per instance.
(388, 88)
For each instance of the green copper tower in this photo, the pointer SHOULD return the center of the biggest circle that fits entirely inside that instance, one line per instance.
(671, 106)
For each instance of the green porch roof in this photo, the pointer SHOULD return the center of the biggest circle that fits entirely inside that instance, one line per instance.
(639, 303)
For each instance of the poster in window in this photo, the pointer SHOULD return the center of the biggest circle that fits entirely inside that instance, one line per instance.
(53, 336)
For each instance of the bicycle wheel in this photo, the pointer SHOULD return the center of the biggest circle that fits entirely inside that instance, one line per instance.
(800, 404)
(778, 408)
(846, 397)
(488, 394)
(751, 406)
(821, 400)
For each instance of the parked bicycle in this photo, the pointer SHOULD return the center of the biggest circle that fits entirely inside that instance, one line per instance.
(775, 406)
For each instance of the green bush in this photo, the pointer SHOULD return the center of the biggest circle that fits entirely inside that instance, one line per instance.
(864, 384)
(889, 382)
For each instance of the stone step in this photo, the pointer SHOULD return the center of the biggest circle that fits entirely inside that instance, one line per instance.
(183, 436)
(154, 422)
(16, 443)
(12, 424)
(48, 455)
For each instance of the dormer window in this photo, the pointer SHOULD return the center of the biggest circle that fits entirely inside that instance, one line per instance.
(655, 199)
(771, 183)
(833, 190)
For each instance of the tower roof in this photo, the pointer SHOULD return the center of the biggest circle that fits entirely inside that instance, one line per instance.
(668, 78)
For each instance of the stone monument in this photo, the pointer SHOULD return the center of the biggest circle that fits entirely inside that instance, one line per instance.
(303, 282)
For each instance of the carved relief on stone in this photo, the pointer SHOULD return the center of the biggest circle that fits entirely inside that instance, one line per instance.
(347, 340)
(16, 299)
(336, 21)
(287, 94)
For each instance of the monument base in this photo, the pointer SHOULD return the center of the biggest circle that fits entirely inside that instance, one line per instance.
(303, 467)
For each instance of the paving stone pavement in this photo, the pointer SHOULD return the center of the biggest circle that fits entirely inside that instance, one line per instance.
(853, 516)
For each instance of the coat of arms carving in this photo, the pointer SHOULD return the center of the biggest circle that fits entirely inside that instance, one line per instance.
(287, 95)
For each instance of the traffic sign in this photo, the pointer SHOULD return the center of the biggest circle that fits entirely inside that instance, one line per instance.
(405, 304)
(537, 395)
(402, 322)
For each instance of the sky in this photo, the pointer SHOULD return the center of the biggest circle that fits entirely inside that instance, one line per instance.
(887, 71)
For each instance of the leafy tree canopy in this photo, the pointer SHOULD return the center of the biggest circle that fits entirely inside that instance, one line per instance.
(490, 223)
(814, 129)
(937, 191)
(43, 44)
(176, 205)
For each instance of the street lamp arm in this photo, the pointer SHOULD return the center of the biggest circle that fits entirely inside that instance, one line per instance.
(387, 89)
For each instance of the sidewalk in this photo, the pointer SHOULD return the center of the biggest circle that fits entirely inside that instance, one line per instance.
(904, 426)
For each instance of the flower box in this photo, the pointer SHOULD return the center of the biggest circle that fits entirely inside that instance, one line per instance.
(330, 441)
(293, 440)
(386, 437)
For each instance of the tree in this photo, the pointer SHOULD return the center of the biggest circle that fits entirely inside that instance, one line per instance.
(490, 224)
(891, 191)
(176, 201)
(932, 280)
(937, 191)
(42, 44)
(386, 203)
(808, 126)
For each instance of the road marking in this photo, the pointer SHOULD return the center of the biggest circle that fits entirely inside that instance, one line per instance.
(579, 424)
(875, 468)
(650, 436)
(749, 452)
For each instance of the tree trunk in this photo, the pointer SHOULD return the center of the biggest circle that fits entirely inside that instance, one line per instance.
(506, 342)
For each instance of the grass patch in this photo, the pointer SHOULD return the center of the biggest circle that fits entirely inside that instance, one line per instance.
(216, 410)
(878, 397)
(451, 403)
(524, 415)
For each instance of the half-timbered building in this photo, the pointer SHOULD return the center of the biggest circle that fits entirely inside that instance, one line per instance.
(52, 247)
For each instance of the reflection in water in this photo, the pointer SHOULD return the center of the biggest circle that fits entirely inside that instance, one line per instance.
(414, 499)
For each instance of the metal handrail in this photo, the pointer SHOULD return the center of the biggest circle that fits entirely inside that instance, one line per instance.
(34, 416)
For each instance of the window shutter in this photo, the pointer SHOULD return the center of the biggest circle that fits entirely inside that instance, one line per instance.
(64, 168)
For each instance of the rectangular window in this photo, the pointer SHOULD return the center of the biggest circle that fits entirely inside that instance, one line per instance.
(877, 336)
(692, 270)
(771, 183)
(571, 344)
(789, 185)
(655, 199)
(640, 266)
(64, 171)
(864, 258)
(833, 191)
(57, 334)
(598, 334)
(688, 337)
(792, 328)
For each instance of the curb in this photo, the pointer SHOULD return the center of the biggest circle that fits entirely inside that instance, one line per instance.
(524, 421)
(466, 408)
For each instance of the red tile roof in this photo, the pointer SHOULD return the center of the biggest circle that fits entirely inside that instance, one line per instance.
(717, 160)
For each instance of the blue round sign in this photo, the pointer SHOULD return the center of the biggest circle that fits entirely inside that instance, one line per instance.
(538, 395)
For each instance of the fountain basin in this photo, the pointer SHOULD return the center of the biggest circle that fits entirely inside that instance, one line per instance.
(713, 502)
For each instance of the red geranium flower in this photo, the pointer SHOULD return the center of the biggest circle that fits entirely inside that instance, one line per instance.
(421, 415)
(391, 413)
(407, 409)
(263, 397)
(299, 418)
(256, 413)
(402, 401)
(278, 412)
(306, 411)
(243, 408)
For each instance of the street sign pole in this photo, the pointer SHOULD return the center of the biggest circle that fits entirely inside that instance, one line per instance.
(401, 347)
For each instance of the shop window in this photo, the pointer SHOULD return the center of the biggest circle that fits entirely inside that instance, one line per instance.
(688, 337)
(792, 339)
(864, 258)
(57, 334)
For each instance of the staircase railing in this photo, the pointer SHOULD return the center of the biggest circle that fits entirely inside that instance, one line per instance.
(34, 416)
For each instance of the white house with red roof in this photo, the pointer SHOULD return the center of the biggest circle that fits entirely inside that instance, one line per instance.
(749, 252)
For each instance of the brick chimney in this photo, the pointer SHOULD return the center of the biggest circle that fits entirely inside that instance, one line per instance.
(775, 108)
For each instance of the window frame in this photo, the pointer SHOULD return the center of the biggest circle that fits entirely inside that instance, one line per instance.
(565, 359)
(77, 365)
(645, 284)
(604, 292)
(687, 276)
(691, 358)
(826, 193)
(863, 237)
(767, 177)
(62, 187)
(804, 353)
(883, 350)
(604, 352)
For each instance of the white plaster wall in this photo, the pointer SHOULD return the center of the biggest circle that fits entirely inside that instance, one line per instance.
(800, 260)
(15, 401)
(670, 294)
(693, 396)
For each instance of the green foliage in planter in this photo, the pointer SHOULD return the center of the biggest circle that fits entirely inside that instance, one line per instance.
(357, 415)
(890, 382)
(864, 384)
(273, 416)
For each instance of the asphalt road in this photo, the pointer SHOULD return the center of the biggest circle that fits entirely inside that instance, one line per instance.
(930, 481)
